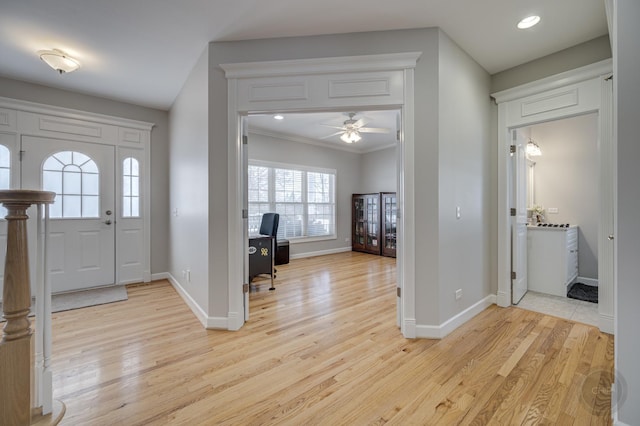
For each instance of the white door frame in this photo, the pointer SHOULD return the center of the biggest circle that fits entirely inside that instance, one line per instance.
(22, 118)
(564, 95)
(343, 83)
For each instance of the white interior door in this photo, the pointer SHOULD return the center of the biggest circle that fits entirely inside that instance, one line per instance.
(519, 221)
(82, 228)
(245, 208)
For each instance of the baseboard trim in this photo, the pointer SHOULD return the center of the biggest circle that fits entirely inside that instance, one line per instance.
(409, 330)
(320, 252)
(216, 323)
(605, 323)
(442, 330)
(503, 299)
(588, 281)
(160, 276)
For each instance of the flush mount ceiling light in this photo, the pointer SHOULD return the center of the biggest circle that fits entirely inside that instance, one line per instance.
(528, 22)
(533, 150)
(59, 61)
(278, 117)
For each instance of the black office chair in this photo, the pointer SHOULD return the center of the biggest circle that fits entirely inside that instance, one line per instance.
(269, 226)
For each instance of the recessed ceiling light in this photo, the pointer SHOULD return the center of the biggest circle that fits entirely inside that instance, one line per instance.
(278, 117)
(528, 22)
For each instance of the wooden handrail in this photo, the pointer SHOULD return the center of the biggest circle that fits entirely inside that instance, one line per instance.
(15, 346)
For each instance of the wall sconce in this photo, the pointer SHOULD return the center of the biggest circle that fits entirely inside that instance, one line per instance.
(59, 61)
(533, 150)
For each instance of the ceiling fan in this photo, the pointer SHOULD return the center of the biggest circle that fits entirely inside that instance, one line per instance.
(350, 131)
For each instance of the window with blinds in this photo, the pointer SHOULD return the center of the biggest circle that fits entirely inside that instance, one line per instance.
(303, 196)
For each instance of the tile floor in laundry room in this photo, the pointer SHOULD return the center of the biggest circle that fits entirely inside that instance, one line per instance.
(563, 307)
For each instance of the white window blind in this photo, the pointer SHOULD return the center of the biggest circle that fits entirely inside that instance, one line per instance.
(304, 198)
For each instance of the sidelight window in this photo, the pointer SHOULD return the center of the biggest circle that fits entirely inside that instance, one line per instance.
(130, 187)
(5, 174)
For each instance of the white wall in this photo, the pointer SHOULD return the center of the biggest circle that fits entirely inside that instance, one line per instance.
(346, 164)
(566, 177)
(464, 180)
(379, 171)
(627, 104)
(188, 185)
(159, 148)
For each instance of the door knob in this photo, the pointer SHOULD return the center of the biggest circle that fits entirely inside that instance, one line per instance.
(610, 237)
(107, 222)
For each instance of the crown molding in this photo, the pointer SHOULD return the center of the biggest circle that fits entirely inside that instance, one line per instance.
(366, 63)
(38, 108)
(563, 79)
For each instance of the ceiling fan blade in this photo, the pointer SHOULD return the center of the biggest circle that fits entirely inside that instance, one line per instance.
(333, 127)
(331, 135)
(373, 130)
(358, 124)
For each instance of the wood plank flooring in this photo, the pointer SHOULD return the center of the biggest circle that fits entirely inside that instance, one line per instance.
(324, 349)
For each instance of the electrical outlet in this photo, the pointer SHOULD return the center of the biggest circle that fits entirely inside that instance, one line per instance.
(174, 212)
(458, 213)
(459, 294)
(347, 240)
(188, 275)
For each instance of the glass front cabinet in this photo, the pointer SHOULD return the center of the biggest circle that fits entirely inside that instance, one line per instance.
(389, 206)
(374, 223)
(366, 223)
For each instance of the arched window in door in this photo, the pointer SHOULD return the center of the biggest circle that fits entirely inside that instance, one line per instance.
(130, 187)
(5, 174)
(75, 178)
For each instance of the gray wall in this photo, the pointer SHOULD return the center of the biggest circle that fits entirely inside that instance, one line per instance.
(189, 175)
(566, 177)
(346, 164)
(159, 148)
(574, 57)
(627, 93)
(379, 171)
(472, 131)
(464, 251)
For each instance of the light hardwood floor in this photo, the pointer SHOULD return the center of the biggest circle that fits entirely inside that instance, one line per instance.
(324, 349)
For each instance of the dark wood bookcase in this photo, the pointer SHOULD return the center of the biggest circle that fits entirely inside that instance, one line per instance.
(365, 213)
(374, 223)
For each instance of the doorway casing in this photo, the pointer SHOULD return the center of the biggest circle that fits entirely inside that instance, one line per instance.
(584, 90)
(323, 84)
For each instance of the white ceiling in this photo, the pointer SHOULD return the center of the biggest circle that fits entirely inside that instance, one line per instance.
(141, 51)
(311, 128)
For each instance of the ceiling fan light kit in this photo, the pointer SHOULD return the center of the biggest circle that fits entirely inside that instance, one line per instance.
(350, 131)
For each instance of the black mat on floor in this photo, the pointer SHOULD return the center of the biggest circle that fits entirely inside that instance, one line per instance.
(584, 292)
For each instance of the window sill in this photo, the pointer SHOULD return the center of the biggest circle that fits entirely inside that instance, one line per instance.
(299, 240)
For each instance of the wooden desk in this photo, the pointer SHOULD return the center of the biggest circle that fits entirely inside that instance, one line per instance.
(261, 259)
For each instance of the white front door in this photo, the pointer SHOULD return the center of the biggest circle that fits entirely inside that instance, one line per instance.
(519, 220)
(82, 227)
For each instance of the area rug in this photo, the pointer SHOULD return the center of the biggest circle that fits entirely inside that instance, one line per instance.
(85, 298)
(584, 292)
